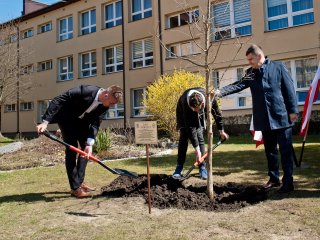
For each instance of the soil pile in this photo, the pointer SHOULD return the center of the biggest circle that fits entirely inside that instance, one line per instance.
(167, 192)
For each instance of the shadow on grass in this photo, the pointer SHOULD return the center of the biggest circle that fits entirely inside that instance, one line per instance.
(35, 197)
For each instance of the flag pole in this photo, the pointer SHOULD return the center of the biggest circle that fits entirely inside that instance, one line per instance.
(303, 143)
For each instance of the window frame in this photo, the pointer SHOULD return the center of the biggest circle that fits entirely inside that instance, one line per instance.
(68, 32)
(142, 11)
(115, 64)
(69, 74)
(39, 110)
(26, 106)
(133, 108)
(193, 47)
(230, 29)
(27, 33)
(91, 68)
(10, 108)
(144, 59)
(40, 30)
(190, 15)
(114, 19)
(289, 16)
(49, 67)
(116, 109)
(92, 27)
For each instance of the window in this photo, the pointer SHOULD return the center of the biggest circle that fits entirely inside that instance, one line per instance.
(241, 101)
(288, 13)
(115, 111)
(26, 106)
(113, 14)
(10, 108)
(302, 72)
(45, 27)
(42, 107)
(141, 9)
(114, 59)
(88, 22)
(46, 65)
(65, 68)
(13, 38)
(65, 28)
(216, 79)
(88, 64)
(240, 73)
(142, 53)
(182, 49)
(26, 33)
(28, 69)
(183, 18)
(138, 109)
(231, 19)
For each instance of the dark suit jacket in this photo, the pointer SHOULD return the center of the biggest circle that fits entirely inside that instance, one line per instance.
(273, 95)
(186, 118)
(67, 107)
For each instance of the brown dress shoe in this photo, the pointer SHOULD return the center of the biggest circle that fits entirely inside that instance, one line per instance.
(79, 193)
(86, 188)
(271, 184)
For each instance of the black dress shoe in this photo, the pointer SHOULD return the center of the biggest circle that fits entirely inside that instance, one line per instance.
(271, 184)
(286, 188)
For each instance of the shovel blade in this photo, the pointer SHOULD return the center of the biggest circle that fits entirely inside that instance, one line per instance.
(127, 173)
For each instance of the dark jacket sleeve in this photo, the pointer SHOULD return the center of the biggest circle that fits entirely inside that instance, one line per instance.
(216, 113)
(95, 125)
(235, 87)
(288, 91)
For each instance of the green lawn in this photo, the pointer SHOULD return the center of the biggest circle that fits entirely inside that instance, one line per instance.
(36, 204)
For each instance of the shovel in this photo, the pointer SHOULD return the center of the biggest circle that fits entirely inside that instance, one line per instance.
(118, 171)
(197, 163)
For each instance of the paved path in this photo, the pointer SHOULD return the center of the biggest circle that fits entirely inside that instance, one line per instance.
(11, 147)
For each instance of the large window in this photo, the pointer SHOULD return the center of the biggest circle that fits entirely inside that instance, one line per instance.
(10, 108)
(115, 111)
(288, 13)
(65, 68)
(182, 49)
(303, 72)
(138, 109)
(141, 9)
(183, 18)
(142, 53)
(45, 27)
(65, 28)
(231, 18)
(44, 66)
(26, 106)
(88, 22)
(113, 14)
(114, 59)
(88, 64)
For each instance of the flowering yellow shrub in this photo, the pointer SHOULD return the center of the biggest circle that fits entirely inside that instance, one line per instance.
(163, 95)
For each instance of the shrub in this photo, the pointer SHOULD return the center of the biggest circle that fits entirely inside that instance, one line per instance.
(103, 140)
(163, 95)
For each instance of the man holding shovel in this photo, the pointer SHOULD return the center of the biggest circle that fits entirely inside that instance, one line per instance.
(79, 112)
(191, 119)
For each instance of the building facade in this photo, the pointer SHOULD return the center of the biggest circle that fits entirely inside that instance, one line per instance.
(104, 42)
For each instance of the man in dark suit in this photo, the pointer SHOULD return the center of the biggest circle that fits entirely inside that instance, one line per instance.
(79, 112)
(191, 114)
(274, 112)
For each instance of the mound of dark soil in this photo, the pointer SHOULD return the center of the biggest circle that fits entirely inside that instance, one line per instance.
(167, 192)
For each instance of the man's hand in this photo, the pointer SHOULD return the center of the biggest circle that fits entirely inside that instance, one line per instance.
(42, 127)
(293, 117)
(88, 150)
(223, 135)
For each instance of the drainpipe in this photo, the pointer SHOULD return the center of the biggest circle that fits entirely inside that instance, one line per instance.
(124, 72)
(160, 36)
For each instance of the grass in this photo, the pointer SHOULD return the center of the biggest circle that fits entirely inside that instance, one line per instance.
(36, 204)
(5, 141)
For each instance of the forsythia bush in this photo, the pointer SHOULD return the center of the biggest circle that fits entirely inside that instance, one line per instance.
(163, 95)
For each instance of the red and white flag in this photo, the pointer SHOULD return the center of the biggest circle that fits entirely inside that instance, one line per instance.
(256, 135)
(311, 98)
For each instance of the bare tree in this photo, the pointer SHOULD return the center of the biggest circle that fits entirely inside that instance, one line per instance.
(14, 80)
(207, 38)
